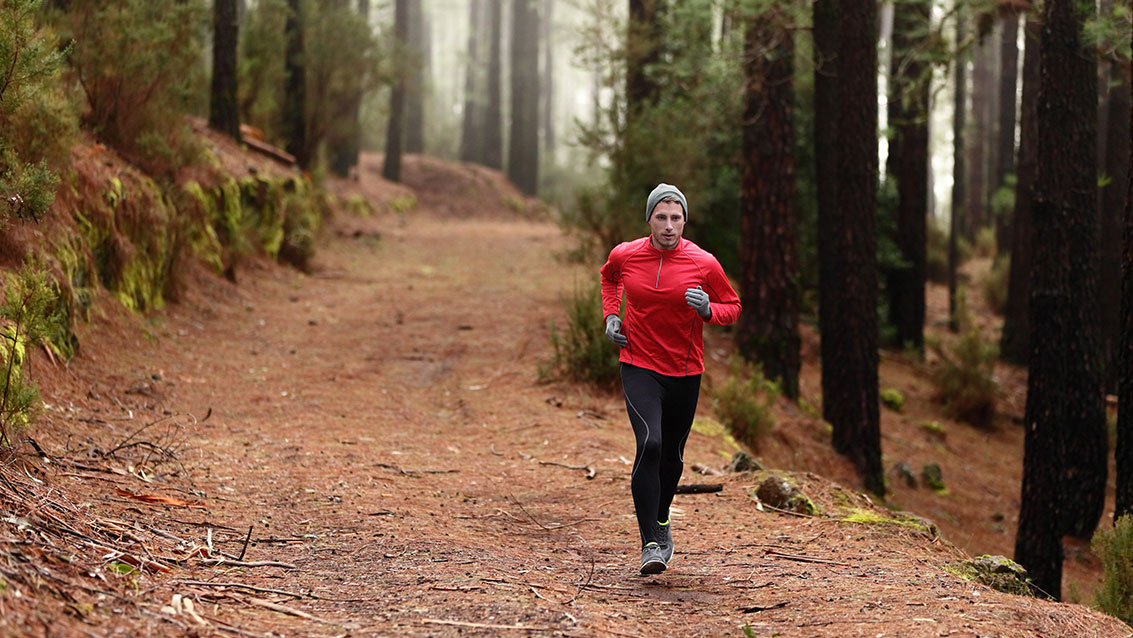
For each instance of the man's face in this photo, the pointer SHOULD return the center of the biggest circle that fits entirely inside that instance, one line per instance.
(666, 225)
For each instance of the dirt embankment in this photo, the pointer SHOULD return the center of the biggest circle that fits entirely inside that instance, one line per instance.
(367, 450)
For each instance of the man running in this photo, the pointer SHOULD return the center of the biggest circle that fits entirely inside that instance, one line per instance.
(672, 288)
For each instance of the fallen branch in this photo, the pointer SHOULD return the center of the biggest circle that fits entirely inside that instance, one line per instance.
(247, 538)
(262, 590)
(241, 563)
(805, 559)
(479, 625)
(590, 472)
(756, 609)
(414, 472)
(699, 488)
(283, 609)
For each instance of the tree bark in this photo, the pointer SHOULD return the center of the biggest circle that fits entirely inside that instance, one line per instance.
(224, 113)
(344, 154)
(472, 123)
(418, 87)
(1064, 465)
(1014, 344)
(1112, 201)
(547, 81)
(908, 163)
(849, 293)
(768, 332)
(1124, 454)
(977, 143)
(523, 142)
(958, 218)
(1005, 133)
(493, 116)
(295, 95)
(395, 135)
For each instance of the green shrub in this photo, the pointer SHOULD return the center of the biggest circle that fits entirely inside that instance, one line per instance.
(37, 121)
(1115, 548)
(582, 353)
(138, 62)
(893, 399)
(995, 284)
(965, 379)
(744, 400)
(29, 313)
(985, 242)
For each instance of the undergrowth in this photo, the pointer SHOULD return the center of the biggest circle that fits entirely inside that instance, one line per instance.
(744, 401)
(1115, 547)
(581, 352)
(965, 378)
(29, 313)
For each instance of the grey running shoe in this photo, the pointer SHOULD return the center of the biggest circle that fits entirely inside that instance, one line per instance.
(653, 559)
(665, 539)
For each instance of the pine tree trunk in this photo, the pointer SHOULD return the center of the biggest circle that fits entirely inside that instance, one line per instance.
(472, 124)
(1008, 76)
(826, 42)
(523, 141)
(548, 78)
(1014, 344)
(1112, 200)
(849, 370)
(1064, 465)
(768, 331)
(344, 154)
(958, 219)
(977, 142)
(908, 163)
(224, 114)
(493, 116)
(295, 94)
(418, 85)
(1123, 501)
(395, 134)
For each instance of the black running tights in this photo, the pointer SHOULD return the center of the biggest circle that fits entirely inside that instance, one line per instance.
(661, 409)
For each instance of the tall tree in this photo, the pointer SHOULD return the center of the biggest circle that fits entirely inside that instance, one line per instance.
(1005, 131)
(908, 163)
(493, 115)
(1123, 501)
(418, 87)
(1064, 464)
(224, 113)
(344, 154)
(547, 81)
(472, 122)
(958, 217)
(848, 245)
(1112, 204)
(1014, 342)
(523, 142)
(977, 142)
(295, 96)
(768, 331)
(395, 135)
(643, 48)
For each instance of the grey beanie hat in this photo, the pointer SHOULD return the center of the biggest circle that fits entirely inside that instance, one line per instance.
(662, 191)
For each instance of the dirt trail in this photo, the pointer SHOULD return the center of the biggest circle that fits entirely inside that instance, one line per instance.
(380, 426)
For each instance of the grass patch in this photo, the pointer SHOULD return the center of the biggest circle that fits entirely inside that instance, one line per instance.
(744, 400)
(1115, 547)
(581, 352)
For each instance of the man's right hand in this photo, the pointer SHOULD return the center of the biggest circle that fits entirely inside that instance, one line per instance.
(614, 331)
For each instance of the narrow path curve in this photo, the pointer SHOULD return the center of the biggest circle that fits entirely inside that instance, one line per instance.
(380, 425)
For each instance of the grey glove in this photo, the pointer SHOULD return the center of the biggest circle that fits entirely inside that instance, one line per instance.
(614, 331)
(698, 299)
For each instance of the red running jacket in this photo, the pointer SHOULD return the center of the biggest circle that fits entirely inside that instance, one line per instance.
(665, 334)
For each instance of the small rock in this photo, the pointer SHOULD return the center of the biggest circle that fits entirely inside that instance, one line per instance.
(933, 476)
(999, 573)
(778, 492)
(904, 471)
(312, 322)
(744, 462)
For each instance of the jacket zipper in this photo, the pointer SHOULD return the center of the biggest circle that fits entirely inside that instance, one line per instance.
(659, 264)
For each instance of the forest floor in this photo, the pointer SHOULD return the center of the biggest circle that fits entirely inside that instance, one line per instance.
(369, 450)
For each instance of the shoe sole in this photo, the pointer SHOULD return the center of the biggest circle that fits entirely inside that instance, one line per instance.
(653, 567)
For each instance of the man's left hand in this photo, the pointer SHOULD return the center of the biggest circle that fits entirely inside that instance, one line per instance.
(698, 299)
